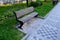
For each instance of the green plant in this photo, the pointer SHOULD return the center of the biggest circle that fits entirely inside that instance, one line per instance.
(35, 4)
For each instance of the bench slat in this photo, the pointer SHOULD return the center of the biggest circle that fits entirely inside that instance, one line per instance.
(28, 17)
(24, 11)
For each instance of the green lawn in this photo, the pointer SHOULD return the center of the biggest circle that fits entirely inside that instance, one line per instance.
(44, 9)
(7, 20)
(7, 23)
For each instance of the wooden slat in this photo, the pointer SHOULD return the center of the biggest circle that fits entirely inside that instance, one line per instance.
(28, 17)
(24, 11)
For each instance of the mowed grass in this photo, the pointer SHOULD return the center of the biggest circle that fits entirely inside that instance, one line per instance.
(8, 21)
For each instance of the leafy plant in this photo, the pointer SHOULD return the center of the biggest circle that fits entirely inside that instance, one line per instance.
(35, 4)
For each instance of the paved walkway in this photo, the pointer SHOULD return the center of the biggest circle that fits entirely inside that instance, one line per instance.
(47, 29)
(29, 28)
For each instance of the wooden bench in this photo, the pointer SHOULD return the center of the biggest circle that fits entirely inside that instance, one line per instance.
(29, 11)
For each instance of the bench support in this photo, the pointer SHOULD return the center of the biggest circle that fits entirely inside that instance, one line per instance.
(36, 15)
(21, 24)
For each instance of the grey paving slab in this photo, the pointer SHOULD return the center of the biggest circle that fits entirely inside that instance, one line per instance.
(49, 29)
(32, 25)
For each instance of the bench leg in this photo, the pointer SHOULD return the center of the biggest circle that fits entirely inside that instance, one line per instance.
(21, 24)
(36, 16)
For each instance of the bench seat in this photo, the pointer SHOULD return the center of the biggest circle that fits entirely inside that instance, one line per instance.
(28, 17)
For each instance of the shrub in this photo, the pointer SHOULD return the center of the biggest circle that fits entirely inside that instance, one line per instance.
(35, 4)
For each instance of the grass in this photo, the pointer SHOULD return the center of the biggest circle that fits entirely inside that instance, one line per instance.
(44, 9)
(8, 21)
